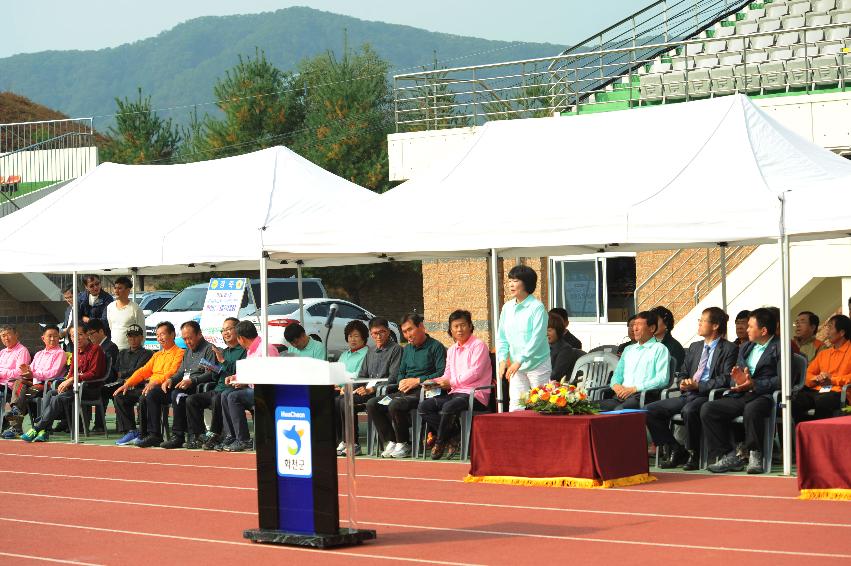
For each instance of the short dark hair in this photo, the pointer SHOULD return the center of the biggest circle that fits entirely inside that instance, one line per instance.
(525, 274)
(123, 280)
(719, 317)
(246, 329)
(293, 331)
(460, 314)
(842, 324)
(814, 319)
(168, 325)
(232, 319)
(379, 321)
(356, 326)
(765, 318)
(49, 327)
(666, 315)
(561, 312)
(414, 318)
(630, 319)
(650, 317)
(556, 322)
(193, 324)
(94, 325)
(88, 278)
(70, 289)
(743, 315)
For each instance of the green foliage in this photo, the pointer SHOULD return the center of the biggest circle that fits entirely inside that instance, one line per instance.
(139, 136)
(261, 107)
(431, 105)
(347, 116)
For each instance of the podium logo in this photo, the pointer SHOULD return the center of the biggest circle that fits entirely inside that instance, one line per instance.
(294, 436)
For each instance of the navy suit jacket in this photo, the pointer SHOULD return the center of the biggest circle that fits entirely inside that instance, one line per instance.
(765, 377)
(722, 362)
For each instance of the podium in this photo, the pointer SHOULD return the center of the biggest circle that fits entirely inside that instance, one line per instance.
(297, 487)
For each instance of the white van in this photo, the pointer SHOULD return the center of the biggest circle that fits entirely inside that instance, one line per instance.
(188, 304)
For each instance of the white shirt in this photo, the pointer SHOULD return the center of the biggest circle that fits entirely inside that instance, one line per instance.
(120, 318)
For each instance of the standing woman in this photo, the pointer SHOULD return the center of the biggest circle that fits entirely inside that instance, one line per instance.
(522, 350)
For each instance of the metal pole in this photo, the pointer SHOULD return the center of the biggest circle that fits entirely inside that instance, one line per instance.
(723, 247)
(75, 430)
(351, 481)
(300, 292)
(494, 322)
(133, 282)
(264, 304)
(785, 344)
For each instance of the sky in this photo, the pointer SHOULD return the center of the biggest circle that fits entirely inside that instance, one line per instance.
(40, 25)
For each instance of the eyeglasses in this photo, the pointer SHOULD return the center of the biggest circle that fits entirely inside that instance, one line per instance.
(228, 329)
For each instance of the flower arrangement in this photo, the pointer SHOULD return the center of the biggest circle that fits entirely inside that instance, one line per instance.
(556, 398)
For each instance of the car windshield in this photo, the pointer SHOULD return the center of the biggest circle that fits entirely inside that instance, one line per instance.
(190, 299)
(288, 290)
(283, 308)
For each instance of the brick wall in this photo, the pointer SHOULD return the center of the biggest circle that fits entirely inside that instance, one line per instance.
(25, 317)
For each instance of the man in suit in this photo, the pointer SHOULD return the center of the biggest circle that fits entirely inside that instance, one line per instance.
(93, 301)
(754, 379)
(96, 331)
(707, 366)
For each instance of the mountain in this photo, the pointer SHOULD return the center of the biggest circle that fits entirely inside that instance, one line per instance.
(179, 67)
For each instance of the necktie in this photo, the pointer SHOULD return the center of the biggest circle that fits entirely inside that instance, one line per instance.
(701, 367)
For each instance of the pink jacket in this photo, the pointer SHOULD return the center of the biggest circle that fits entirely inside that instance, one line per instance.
(254, 351)
(49, 364)
(468, 367)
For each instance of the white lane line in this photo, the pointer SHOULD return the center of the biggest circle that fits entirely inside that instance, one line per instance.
(457, 503)
(609, 541)
(46, 559)
(233, 543)
(129, 480)
(108, 461)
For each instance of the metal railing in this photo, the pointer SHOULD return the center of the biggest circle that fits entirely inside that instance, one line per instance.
(599, 63)
(712, 277)
(473, 95)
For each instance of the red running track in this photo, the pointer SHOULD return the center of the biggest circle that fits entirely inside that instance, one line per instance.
(109, 505)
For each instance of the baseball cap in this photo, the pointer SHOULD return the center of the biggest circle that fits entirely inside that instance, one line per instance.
(134, 330)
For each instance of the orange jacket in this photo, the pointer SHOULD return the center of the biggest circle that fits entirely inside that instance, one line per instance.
(836, 362)
(161, 366)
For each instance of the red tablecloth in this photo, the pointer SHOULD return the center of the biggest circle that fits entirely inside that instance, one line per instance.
(594, 450)
(824, 458)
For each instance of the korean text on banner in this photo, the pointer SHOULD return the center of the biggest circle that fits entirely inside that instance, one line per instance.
(224, 299)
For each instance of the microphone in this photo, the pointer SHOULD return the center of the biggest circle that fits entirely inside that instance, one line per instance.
(332, 313)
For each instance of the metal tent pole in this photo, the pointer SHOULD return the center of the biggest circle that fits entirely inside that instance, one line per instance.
(494, 321)
(264, 304)
(75, 430)
(785, 344)
(299, 263)
(723, 248)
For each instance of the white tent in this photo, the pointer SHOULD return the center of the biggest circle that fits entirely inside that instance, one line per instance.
(200, 216)
(683, 175)
(680, 175)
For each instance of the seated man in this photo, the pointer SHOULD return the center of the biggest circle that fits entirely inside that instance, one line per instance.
(212, 398)
(91, 366)
(754, 379)
(194, 370)
(47, 365)
(663, 335)
(742, 327)
(129, 360)
(806, 326)
(642, 367)
(828, 372)
(240, 397)
(568, 337)
(301, 344)
(468, 366)
(707, 366)
(423, 358)
(96, 331)
(162, 365)
(12, 357)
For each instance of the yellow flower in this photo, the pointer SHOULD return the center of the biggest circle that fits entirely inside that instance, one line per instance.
(533, 398)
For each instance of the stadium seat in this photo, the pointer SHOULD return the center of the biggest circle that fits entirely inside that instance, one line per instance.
(674, 85)
(792, 22)
(772, 76)
(799, 8)
(797, 74)
(834, 34)
(755, 13)
(699, 84)
(779, 54)
(822, 6)
(723, 80)
(762, 41)
(724, 31)
(730, 58)
(814, 20)
(713, 47)
(840, 17)
(744, 28)
(705, 61)
(775, 10)
(830, 47)
(804, 50)
(786, 38)
(682, 63)
(756, 56)
(650, 87)
(769, 24)
(747, 78)
(825, 70)
(843, 5)
(735, 44)
(694, 49)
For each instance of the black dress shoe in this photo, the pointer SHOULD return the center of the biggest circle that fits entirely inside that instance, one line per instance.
(149, 441)
(194, 443)
(693, 462)
(176, 441)
(60, 427)
(729, 463)
(677, 456)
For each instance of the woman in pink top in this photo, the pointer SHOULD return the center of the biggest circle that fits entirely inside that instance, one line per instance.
(468, 366)
(47, 364)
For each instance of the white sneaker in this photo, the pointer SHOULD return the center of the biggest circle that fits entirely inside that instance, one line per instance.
(403, 450)
(389, 449)
(355, 449)
(341, 449)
